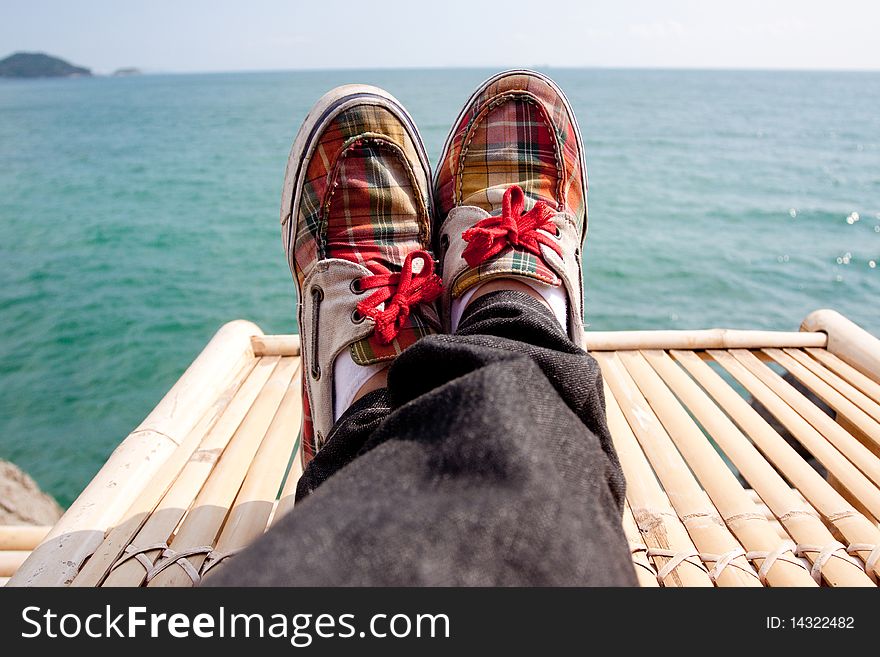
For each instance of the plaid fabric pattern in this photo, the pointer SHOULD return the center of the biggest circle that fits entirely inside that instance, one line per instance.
(363, 200)
(376, 196)
(516, 132)
(512, 143)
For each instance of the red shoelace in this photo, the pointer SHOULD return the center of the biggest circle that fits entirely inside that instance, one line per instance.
(488, 237)
(400, 292)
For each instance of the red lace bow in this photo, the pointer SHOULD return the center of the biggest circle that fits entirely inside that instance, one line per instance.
(400, 292)
(488, 237)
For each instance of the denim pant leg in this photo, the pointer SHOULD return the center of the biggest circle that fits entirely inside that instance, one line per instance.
(486, 461)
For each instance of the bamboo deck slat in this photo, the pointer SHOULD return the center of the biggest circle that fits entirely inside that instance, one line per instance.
(808, 483)
(645, 571)
(848, 372)
(206, 517)
(288, 493)
(662, 531)
(11, 560)
(22, 537)
(702, 519)
(160, 524)
(715, 496)
(255, 502)
(794, 515)
(822, 425)
(842, 405)
(16, 544)
(841, 387)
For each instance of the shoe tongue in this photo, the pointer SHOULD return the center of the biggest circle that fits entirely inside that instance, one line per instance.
(372, 215)
(490, 198)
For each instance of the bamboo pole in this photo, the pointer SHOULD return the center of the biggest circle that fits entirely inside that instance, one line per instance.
(112, 548)
(846, 340)
(289, 344)
(174, 504)
(841, 404)
(11, 560)
(699, 339)
(736, 509)
(699, 516)
(22, 537)
(854, 431)
(255, 502)
(288, 492)
(660, 528)
(853, 479)
(839, 384)
(276, 345)
(206, 517)
(136, 460)
(645, 572)
(845, 442)
(798, 519)
(851, 524)
(846, 372)
(753, 495)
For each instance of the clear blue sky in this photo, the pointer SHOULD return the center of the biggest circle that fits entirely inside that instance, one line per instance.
(221, 35)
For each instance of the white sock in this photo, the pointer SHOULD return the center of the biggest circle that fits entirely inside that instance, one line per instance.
(348, 378)
(554, 296)
(458, 306)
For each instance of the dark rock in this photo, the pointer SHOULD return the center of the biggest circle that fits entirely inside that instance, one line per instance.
(21, 500)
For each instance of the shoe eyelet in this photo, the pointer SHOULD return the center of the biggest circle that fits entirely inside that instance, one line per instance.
(357, 317)
(557, 233)
(444, 242)
(317, 293)
(316, 372)
(355, 286)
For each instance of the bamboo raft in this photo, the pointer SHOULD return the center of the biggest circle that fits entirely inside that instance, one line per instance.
(716, 496)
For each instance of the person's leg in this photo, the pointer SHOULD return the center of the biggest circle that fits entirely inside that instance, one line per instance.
(486, 461)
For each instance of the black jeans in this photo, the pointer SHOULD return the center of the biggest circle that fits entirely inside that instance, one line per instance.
(486, 461)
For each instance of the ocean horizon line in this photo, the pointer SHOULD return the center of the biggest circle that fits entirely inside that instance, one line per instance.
(544, 67)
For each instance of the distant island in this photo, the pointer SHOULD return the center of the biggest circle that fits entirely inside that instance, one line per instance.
(124, 72)
(39, 65)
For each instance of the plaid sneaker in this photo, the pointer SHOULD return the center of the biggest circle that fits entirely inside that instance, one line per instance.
(356, 226)
(511, 188)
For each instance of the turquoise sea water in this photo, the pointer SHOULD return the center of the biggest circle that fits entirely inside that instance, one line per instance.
(137, 215)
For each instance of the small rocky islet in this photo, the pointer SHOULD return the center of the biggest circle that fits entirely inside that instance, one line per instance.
(39, 65)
